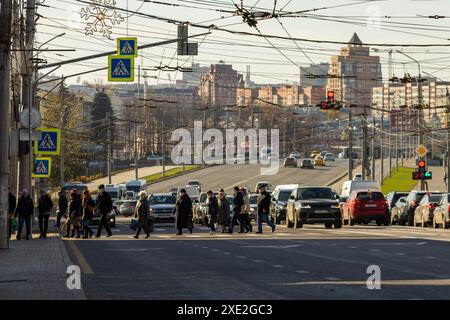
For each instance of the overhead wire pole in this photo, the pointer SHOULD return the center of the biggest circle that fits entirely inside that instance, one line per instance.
(25, 180)
(350, 145)
(108, 124)
(5, 50)
(421, 121)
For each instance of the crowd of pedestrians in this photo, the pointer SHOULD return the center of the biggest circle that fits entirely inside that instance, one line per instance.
(80, 209)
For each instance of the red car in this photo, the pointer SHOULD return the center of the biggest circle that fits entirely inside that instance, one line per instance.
(364, 206)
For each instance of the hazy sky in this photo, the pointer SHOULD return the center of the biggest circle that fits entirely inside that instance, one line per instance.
(405, 26)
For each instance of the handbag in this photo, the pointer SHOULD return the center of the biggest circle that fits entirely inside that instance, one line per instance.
(14, 224)
(148, 226)
(134, 224)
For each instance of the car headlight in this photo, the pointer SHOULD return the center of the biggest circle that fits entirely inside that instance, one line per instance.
(335, 206)
(305, 206)
(280, 207)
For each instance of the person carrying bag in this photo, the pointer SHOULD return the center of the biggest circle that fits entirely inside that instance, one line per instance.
(142, 214)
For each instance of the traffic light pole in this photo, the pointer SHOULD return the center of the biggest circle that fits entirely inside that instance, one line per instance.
(350, 147)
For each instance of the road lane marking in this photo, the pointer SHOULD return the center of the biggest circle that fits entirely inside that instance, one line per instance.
(257, 261)
(242, 257)
(79, 256)
(302, 271)
(277, 265)
(409, 282)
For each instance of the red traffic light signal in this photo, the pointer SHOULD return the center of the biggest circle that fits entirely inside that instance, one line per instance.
(324, 105)
(330, 96)
(421, 164)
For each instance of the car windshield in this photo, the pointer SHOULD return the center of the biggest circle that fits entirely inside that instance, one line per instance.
(113, 194)
(284, 195)
(253, 199)
(315, 193)
(370, 196)
(230, 200)
(306, 161)
(434, 198)
(203, 197)
(163, 199)
(193, 183)
(398, 196)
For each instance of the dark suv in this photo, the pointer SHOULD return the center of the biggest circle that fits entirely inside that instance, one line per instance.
(313, 205)
(412, 202)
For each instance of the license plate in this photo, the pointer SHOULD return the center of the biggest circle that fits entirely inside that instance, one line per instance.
(371, 205)
(321, 211)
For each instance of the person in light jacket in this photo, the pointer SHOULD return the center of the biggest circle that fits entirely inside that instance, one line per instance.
(223, 212)
(142, 214)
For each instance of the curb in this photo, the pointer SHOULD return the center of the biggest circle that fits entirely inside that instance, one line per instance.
(177, 175)
(329, 184)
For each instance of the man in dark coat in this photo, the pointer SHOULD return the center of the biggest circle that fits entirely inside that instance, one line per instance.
(104, 205)
(238, 202)
(213, 210)
(263, 202)
(11, 210)
(75, 213)
(142, 214)
(62, 206)
(183, 215)
(45, 206)
(24, 211)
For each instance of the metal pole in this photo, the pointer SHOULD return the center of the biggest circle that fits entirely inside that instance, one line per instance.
(5, 47)
(381, 149)
(63, 125)
(105, 54)
(373, 149)
(163, 155)
(136, 174)
(350, 146)
(390, 148)
(448, 141)
(108, 123)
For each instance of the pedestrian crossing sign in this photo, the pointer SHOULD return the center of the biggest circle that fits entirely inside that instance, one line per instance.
(127, 47)
(42, 167)
(50, 142)
(121, 68)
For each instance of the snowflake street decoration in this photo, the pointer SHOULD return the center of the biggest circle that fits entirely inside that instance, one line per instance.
(101, 16)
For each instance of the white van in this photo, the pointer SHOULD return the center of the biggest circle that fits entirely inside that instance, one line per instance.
(135, 185)
(351, 185)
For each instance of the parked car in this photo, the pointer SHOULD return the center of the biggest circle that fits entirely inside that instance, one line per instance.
(130, 195)
(253, 206)
(127, 208)
(364, 206)
(280, 197)
(162, 207)
(194, 183)
(173, 191)
(318, 161)
(263, 183)
(116, 206)
(412, 202)
(295, 155)
(313, 205)
(329, 157)
(290, 162)
(307, 163)
(111, 218)
(200, 209)
(423, 215)
(392, 198)
(397, 209)
(441, 217)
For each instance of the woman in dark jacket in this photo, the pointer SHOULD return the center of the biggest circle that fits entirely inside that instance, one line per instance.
(183, 216)
(75, 212)
(142, 213)
(24, 211)
(223, 211)
(213, 210)
(88, 214)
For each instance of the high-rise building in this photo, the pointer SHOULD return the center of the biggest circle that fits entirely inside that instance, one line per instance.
(315, 75)
(218, 86)
(354, 73)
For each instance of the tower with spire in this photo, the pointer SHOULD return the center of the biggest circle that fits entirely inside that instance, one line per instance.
(354, 73)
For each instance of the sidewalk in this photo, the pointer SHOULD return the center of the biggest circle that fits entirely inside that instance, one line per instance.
(437, 183)
(124, 177)
(36, 270)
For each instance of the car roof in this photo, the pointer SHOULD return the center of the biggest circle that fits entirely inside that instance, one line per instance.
(286, 186)
(162, 194)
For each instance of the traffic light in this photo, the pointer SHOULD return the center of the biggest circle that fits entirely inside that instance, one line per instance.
(422, 165)
(330, 96)
(422, 173)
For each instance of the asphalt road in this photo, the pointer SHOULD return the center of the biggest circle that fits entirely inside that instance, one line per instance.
(227, 176)
(308, 263)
